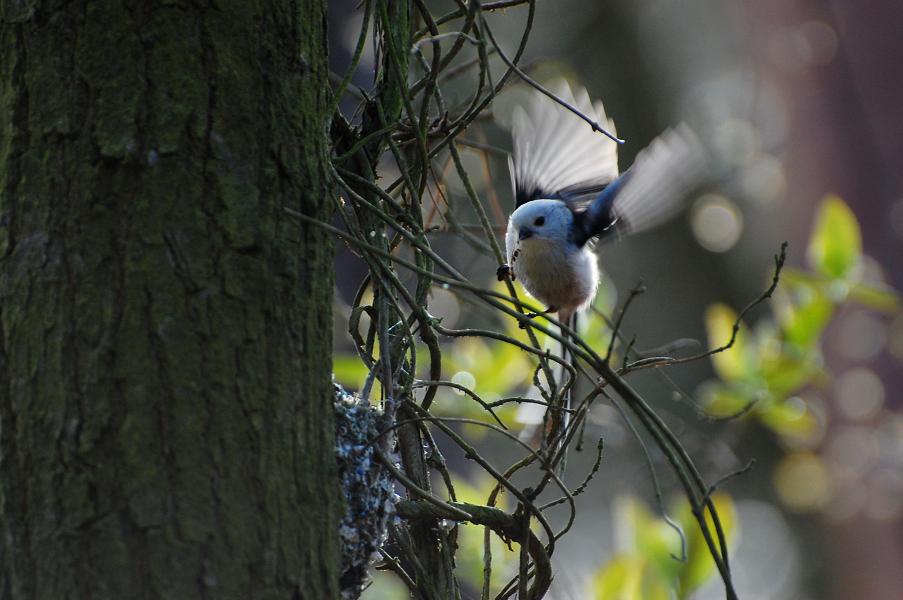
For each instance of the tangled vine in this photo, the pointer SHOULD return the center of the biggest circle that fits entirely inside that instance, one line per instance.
(407, 117)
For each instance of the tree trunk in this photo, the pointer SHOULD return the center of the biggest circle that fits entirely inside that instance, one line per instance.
(165, 331)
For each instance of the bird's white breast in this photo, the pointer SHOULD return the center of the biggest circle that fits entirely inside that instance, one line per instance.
(552, 274)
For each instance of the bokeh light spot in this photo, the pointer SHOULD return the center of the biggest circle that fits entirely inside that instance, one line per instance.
(819, 41)
(895, 338)
(716, 223)
(885, 499)
(896, 217)
(813, 406)
(802, 482)
(764, 181)
(852, 450)
(848, 498)
(872, 271)
(737, 141)
(787, 49)
(859, 394)
(812, 43)
(861, 336)
(889, 435)
(796, 406)
(464, 379)
(444, 305)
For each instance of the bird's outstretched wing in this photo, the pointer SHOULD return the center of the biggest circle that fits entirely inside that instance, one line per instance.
(557, 154)
(649, 192)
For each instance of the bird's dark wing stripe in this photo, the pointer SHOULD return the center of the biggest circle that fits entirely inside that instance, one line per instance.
(652, 191)
(600, 216)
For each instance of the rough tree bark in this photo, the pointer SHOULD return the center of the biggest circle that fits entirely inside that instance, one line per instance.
(165, 391)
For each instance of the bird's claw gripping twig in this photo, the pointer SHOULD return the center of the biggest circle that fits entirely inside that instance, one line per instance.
(504, 271)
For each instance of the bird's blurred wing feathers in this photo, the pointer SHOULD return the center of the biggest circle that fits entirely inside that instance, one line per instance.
(652, 190)
(557, 154)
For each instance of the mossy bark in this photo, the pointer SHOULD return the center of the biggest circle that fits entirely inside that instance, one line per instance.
(165, 331)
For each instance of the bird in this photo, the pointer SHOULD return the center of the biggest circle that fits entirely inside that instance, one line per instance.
(570, 194)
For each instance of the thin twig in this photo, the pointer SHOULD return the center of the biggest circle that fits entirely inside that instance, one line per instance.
(534, 84)
(638, 289)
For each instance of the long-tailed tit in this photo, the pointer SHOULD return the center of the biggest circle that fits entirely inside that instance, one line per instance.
(568, 192)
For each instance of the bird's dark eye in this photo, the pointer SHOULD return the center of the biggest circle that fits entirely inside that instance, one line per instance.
(540, 221)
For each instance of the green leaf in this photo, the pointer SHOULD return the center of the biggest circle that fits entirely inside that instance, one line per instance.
(785, 375)
(804, 320)
(700, 566)
(648, 536)
(469, 558)
(791, 418)
(631, 517)
(478, 492)
(876, 298)
(733, 363)
(628, 577)
(349, 370)
(836, 243)
(721, 400)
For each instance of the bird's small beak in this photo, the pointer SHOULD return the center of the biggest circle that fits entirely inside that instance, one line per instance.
(524, 233)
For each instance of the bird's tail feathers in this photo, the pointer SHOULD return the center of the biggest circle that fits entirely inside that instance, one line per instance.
(564, 420)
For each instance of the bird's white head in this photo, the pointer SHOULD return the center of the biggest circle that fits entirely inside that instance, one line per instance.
(544, 219)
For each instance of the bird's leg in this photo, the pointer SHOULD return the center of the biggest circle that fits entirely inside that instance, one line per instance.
(533, 315)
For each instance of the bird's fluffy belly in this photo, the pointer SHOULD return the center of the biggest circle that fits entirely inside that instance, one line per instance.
(565, 280)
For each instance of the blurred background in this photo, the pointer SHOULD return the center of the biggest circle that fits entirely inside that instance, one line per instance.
(800, 102)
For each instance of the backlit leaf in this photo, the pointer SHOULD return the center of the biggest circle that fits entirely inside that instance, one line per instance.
(469, 558)
(733, 363)
(804, 320)
(791, 418)
(785, 375)
(629, 577)
(349, 371)
(721, 400)
(836, 244)
(700, 566)
(876, 298)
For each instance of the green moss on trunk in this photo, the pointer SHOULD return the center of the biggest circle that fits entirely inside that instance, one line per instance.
(165, 398)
